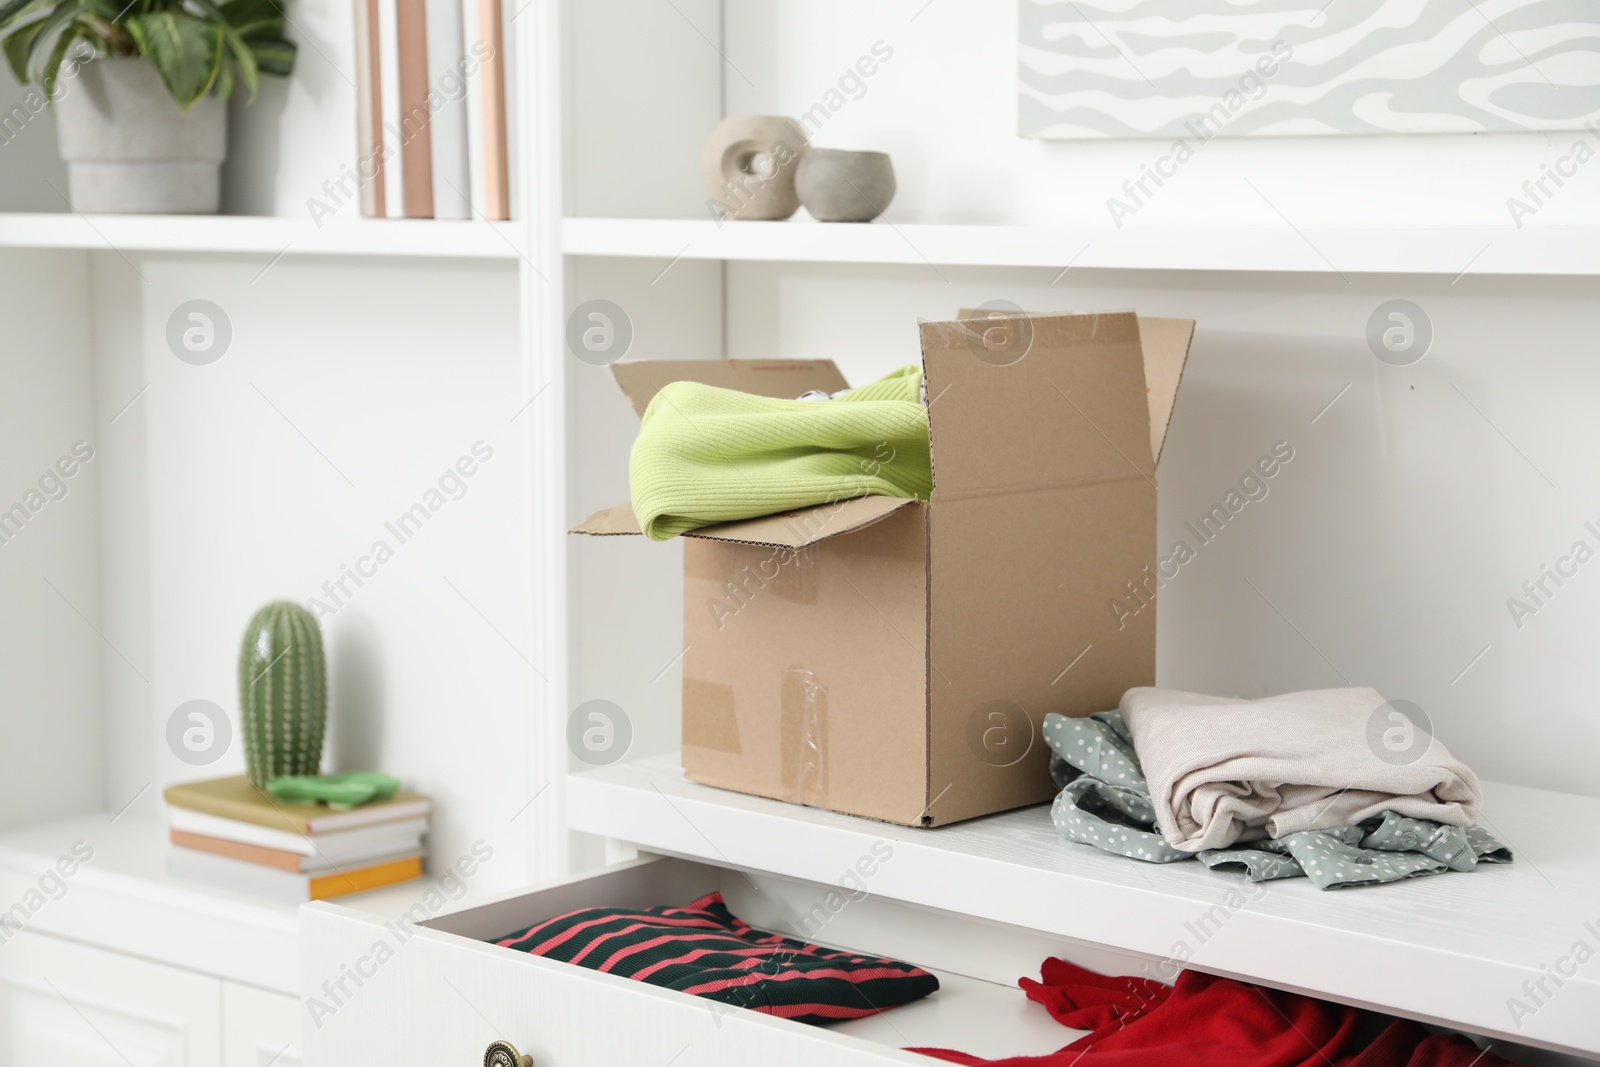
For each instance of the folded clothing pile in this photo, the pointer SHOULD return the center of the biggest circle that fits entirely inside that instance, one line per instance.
(704, 950)
(706, 455)
(1283, 787)
(1223, 770)
(1204, 1020)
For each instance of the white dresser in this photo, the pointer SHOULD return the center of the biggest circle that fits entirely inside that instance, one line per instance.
(105, 959)
(980, 904)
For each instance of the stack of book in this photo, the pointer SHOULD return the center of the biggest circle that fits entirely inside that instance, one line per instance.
(227, 833)
(431, 109)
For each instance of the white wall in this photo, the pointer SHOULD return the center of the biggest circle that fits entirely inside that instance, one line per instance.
(50, 654)
(642, 92)
(1412, 510)
(343, 398)
(944, 106)
(1415, 506)
(301, 130)
(626, 590)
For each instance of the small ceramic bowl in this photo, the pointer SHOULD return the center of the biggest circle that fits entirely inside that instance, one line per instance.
(837, 185)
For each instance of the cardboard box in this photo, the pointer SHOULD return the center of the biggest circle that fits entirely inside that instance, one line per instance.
(895, 658)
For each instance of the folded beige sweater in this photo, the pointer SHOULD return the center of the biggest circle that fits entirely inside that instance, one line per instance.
(1223, 770)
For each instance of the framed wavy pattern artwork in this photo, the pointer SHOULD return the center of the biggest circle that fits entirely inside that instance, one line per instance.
(1203, 68)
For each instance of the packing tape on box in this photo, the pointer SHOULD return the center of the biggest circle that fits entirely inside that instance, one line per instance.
(803, 703)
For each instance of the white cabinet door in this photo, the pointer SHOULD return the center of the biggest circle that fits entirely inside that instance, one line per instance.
(62, 1002)
(259, 1029)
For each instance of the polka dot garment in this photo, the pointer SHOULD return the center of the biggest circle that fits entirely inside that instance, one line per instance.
(1105, 802)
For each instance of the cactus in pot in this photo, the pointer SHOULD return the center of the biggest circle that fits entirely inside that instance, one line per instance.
(283, 692)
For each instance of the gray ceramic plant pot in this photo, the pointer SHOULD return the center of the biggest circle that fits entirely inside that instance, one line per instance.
(836, 185)
(130, 150)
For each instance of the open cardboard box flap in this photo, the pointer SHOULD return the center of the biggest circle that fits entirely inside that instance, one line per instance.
(789, 529)
(1165, 343)
(1165, 347)
(1166, 351)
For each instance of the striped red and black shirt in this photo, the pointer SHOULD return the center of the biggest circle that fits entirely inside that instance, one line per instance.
(704, 950)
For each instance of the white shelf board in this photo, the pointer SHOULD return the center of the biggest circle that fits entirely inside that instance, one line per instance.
(123, 899)
(1449, 251)
(1450, 948)
(260, 235)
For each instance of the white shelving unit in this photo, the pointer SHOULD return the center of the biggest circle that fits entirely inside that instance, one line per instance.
(1251, 243)
(1448, 949)
(1448, 251)
(366, 319)
(364, 358)
(461, 310)
(250, 235)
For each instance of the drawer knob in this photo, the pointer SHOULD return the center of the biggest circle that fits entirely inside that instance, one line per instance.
(502, 1054)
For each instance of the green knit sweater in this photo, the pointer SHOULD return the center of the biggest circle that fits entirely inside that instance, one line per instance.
(706, 455)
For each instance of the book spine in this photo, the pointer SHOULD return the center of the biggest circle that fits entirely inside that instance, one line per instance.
(447, 64)
(260, 855)
(472, 38)
(496, 164)
(343, 883)
(369, 110)
(389, 80)
(416, 140)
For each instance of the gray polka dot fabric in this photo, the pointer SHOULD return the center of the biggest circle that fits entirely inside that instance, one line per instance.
(1105, 802)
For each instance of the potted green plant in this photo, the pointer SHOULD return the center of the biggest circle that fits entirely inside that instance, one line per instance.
(139, 88)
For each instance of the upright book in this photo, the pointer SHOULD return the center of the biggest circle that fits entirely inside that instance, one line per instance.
(369, 110)
(392, 131)
(496, 160)
(448, 100)
(433, 108)
(416, 118)
(476, 50)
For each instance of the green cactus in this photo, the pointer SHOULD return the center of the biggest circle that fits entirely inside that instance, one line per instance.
(283, 692)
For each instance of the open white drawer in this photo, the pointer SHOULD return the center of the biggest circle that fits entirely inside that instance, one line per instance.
(980, 904)
(440, 994)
